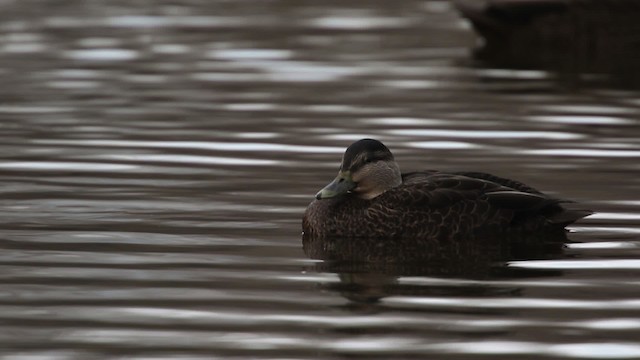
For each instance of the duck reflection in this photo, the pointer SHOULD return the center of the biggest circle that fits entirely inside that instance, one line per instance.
(369, 269)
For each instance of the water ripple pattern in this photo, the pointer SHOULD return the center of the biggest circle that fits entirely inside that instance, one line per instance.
(157, 156)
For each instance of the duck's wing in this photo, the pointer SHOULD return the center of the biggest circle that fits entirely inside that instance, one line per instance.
(549, 207)
(436, 190)
(430, 175)
(499, 192)
(485, 192)
(513, 184)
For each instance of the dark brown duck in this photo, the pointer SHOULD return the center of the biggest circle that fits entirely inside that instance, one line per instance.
(371, 198)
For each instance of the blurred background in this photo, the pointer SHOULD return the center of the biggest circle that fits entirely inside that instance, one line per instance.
(156, 158)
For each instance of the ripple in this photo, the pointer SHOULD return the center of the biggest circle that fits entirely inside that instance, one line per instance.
(145, 79)
(589, 109)
(64, 165)
(514, 74)
(582, 153)
(345, 137)
(159, 339)
(443, 145)
(250, 54)
(403, 121)
(488, 134)
(606, 244)
(95, 42)
(575, 350)
(305, 71)
(513, 303)
(113, 54)
(491, 347)
(8, 109)
(615, 216)
(140, 21)
(250, 107)
(279, 70)
(257, 135)
(608, 229)
(73, 84)
(77, 73)
(170, 49)
(200, 145)
(582, 119)
(283, 71)
(630, 264)
(227, 77)
(358, 22)
(189, 159)
(410, 84)
(610, 324)
(598, 350)
(335, 108)
(27, 48)
(465, 283)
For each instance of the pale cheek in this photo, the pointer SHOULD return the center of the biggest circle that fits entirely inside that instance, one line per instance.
(363, 186)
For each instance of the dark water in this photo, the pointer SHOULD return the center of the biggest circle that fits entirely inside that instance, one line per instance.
(157, 156)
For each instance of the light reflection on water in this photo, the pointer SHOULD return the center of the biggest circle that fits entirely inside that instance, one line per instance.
(504, 304)
(156, 165)
(585, 153)
(109, 55)
(459, 145)
(53, 165)
(209, 145)
(582, 119)
(494, 134)
(580, 264)
(192, 159)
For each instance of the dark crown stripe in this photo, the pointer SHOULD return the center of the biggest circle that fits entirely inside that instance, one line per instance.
(364, 151)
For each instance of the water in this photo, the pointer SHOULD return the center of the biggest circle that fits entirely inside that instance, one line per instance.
(156, 159)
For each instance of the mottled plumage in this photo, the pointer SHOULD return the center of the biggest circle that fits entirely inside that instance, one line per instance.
(431, 206)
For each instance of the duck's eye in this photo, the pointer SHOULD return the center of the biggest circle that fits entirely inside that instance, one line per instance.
(341, 180)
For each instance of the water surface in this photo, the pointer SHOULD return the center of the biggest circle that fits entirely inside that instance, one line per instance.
(156, 160)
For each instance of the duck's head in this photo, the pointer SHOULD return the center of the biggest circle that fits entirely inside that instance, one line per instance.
(367, 170)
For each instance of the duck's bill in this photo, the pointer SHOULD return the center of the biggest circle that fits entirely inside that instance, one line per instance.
(341, 185)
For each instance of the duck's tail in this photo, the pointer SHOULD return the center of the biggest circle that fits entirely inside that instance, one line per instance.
(526, 205)
(568, 216)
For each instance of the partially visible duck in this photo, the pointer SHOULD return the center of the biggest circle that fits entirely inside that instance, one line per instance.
(566, 36)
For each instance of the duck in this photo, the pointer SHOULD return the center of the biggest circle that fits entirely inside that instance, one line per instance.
(371, 198)
(567, 37)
